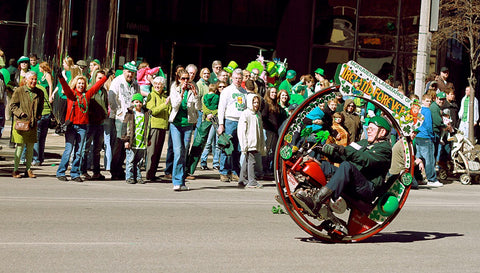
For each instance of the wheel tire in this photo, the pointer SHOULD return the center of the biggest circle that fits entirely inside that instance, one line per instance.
(442, 174)
(465, 179)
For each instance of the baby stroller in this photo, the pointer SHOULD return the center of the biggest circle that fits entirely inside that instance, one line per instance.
(465, 160)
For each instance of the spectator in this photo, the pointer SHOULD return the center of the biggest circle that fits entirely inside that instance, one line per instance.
(3, 102)
(135, 138)
(34, 63)
(145, 77)
(45, 84)
(272, 117)
(452, 106)
(159, 106)
(352, 121)
(46, 80)
(305, 86)
(224, 77)
(342, 137)
(27, 106)
(283, 100)
(23, 68)
(287, 83)
(120, 96)
(185, 105)
(231, 105)
(259, 82)
(437, 122)
(424, 143)
(320, 77)
(251, 139)
(463, 114)
(216, 69)
(78, 101)
(94, 139)
(442, 79)
(210, 107)
(202, 85)
(93, 66)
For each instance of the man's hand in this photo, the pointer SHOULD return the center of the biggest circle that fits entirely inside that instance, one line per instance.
(221, 129)
(330, 149)
(127, 145)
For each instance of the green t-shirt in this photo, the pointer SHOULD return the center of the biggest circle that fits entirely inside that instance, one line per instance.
(181, 119)
(139, 130)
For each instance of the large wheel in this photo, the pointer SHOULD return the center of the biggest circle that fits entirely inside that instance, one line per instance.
(359, 220)
(465, 179)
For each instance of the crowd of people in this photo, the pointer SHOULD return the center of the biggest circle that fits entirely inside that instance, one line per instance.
(235, 115)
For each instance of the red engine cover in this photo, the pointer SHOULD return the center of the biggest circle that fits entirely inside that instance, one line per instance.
(312, 169)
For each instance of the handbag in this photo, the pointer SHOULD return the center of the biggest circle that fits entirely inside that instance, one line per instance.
(21, 125)
(52, 122)
(63, 127)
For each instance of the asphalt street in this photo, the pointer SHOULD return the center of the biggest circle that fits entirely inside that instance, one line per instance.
(110, 226)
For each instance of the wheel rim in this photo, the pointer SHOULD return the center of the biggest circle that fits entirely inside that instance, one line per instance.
(309, 224)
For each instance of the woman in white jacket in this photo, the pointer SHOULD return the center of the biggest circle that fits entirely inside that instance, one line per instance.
(185, 105)
(464, 110)
(252, 141)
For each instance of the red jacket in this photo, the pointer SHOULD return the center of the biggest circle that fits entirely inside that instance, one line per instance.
(80, 115)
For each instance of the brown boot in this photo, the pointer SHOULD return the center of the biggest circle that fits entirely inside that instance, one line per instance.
(16, 174)
(30, 174)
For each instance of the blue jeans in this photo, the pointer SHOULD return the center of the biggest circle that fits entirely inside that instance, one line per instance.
(181, 137)
(347, 178)
(231, 163)
(211, 145)
(169, 159)
(39, 146)
(425, 151)
(74, 142)
(132, 169)
(109, 133)
(94, 140)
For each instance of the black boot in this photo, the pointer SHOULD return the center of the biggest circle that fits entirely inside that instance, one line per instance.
(312, 200)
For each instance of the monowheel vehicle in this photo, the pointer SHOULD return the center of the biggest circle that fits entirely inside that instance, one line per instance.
(346, 219)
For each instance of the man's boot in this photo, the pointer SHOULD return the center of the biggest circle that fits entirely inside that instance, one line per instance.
(311, 200)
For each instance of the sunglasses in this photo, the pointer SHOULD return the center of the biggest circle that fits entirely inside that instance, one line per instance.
(184, 79)
(221, 86)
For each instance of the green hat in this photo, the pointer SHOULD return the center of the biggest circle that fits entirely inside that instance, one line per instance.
(232, 65)
(130, 66)
(96, 61)
(23, 59)
(441, 95)
(291, 74)
(271, 69)
(137, 96)
(255, 64)
(320, 71)
(380, 122)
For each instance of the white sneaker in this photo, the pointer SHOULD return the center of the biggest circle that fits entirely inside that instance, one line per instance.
(180, 188)
(435, 184)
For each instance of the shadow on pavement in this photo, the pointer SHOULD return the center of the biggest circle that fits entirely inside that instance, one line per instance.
(395, 237)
